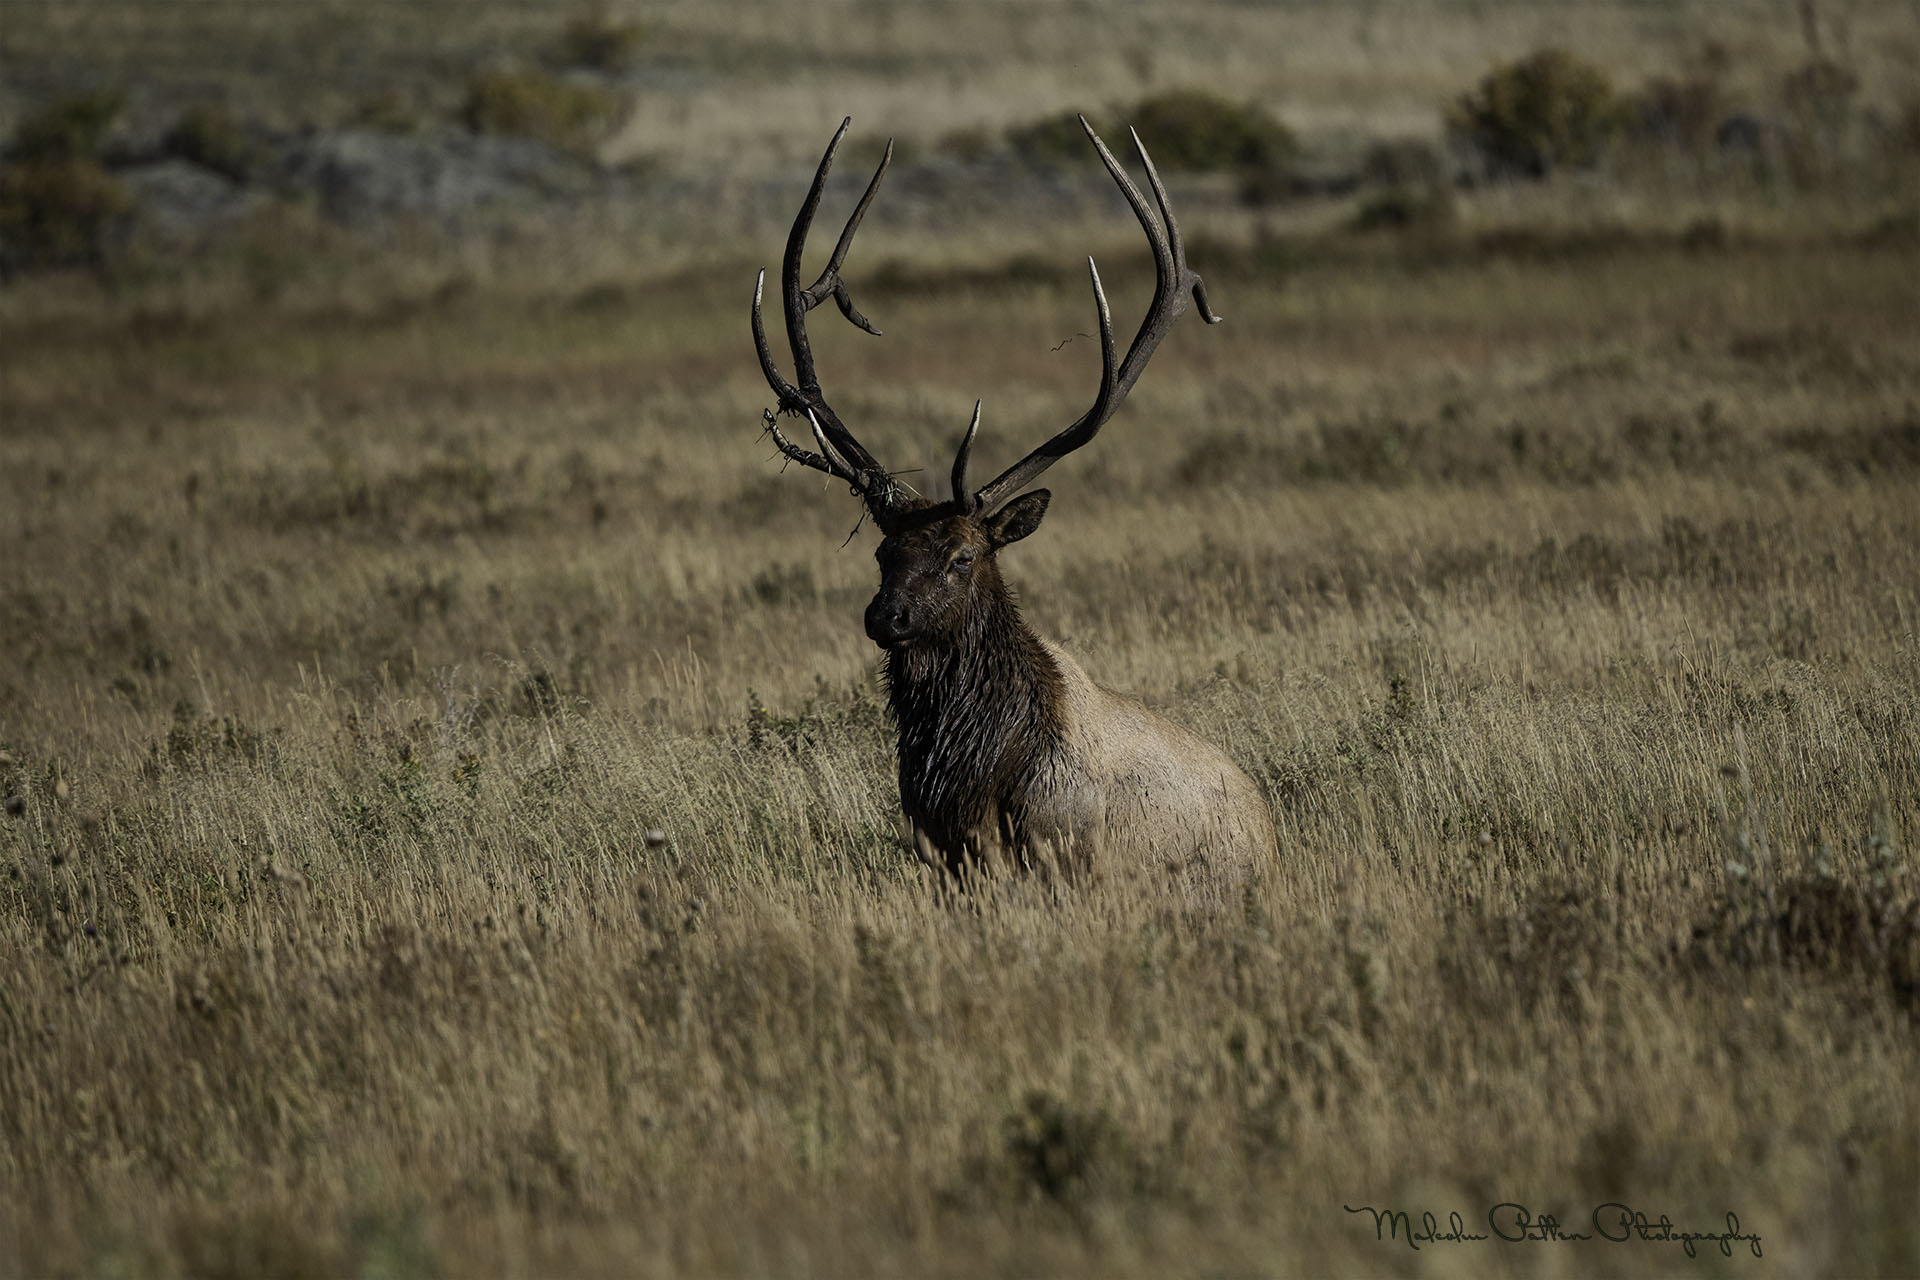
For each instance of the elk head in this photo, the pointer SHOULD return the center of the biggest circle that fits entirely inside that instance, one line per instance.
(932, 574)
(937, 559)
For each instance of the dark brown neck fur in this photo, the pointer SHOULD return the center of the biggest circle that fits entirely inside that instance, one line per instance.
(978, 715)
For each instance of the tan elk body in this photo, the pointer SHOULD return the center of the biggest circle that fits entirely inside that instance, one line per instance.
(1009, 754)
(1123, 782)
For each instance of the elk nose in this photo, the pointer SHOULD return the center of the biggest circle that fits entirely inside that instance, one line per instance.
(887, 622)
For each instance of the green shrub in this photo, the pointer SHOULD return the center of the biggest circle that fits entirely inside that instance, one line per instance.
(389, 111)
(1410, 208)
(1404, 162)
(1053, 141)
(968, 146)
(1903, 134)
(1817, 113)
(1185, 130)
(212, 138)
(1819, 96)
(1412, 189)
(1547, 111)
(58, 212)
(70, 129)
(596, 41)
(1193, 130)
(530, 104)
(58, 206)
(1818, 99)
(1267, 186)
(1682, 112)
(1063, 1153)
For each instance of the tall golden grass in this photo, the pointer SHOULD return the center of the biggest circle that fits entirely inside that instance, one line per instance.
(456, 829)
(449, 825)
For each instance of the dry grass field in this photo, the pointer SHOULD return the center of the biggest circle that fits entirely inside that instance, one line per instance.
(451, 827)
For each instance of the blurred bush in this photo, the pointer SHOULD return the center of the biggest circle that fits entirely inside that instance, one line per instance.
(1184, 130)
(1052, 141)
(969, 145)
(58, 213)
(1903, 131)
(211, 137)
(599, 42)
(1679, 111)
(389, 111)
(535, 105)
(58, 205)
(1411, 189)
(1818, 101)
(1413, 208)
(1547, 111)
(1196, 131)
(1819, 96)
(1404, 162)
(70, 129)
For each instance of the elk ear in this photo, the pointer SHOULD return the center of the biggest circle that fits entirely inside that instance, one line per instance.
(1018, 518)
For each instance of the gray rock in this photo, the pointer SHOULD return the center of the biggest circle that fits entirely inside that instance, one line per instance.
(359, 178)
(178, 195)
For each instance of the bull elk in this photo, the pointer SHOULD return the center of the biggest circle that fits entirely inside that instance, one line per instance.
(1008, 751)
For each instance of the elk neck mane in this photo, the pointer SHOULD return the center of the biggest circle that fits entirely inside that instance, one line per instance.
(980, 713)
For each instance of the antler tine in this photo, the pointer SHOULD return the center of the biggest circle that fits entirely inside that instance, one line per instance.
(786, 392)
(960, 494)
(1175, 244)
(830, 281)
(822, 461)
(799, 301)
(1109, 368)
(842, 455)
(1174, 280)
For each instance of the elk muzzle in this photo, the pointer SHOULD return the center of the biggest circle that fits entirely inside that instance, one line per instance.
(889, 620)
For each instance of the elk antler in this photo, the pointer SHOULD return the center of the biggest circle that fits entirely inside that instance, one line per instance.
(840, 455)
(1175, 279)
(844, 457)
